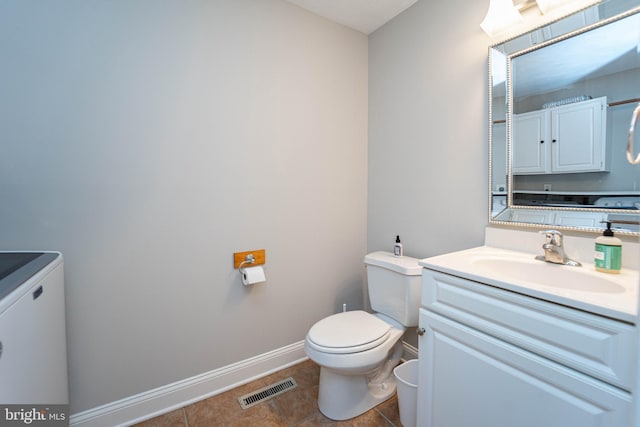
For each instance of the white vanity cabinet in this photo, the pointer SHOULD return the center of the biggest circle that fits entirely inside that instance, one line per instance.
(566, 139)
(492, 357)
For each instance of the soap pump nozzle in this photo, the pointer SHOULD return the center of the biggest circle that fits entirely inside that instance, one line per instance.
(608, 231)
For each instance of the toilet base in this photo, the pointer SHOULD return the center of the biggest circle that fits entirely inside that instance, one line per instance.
(341, 397)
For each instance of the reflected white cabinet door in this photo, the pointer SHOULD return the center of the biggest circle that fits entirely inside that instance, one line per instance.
(468, 378)
(580, 219)
(578, 137)
(531, 142)
(532, 216)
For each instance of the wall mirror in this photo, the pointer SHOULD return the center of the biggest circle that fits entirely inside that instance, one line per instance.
(561, 99)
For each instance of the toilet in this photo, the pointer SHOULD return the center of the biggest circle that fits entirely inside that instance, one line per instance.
(356, 350)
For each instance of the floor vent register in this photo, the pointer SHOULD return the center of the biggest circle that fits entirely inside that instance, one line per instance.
(266, 393)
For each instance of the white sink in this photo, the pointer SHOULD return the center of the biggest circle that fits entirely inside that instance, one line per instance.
(579, 279)
(612, 295)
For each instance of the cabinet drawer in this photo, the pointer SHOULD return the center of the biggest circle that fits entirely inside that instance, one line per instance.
(591, 344)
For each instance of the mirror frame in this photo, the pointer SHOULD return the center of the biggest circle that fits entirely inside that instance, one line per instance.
(509, 126)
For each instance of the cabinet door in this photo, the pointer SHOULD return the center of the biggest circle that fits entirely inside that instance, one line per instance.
(468, 378)
(580, 219)
(532, 216)
(530, 147)
(578, 137)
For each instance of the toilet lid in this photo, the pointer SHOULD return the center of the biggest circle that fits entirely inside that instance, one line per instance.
(349, 332)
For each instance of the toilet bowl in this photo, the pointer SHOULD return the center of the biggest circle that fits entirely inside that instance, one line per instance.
(352, 376)
(356, 350)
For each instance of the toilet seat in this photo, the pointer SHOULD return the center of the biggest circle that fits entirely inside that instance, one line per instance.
(348, 332)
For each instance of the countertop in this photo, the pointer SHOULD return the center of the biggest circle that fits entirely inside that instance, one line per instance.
(610, 295)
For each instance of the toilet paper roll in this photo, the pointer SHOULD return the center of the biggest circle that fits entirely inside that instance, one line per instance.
(252, 275)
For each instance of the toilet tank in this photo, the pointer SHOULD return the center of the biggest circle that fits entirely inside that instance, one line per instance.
(395, 285)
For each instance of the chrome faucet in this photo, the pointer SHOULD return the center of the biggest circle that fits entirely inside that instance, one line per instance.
(554, 251)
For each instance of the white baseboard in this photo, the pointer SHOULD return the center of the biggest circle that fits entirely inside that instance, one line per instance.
(164, 399)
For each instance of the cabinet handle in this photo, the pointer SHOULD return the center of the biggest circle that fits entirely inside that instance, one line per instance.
(420, 331)
(632, 133)
(542, 142)
(553, 140)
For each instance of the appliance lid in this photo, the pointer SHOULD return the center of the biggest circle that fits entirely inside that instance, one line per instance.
(345, 331)
(17, 267)
(11, 261)
(401, 264)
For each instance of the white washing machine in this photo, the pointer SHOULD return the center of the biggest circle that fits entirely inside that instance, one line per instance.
(33, 349)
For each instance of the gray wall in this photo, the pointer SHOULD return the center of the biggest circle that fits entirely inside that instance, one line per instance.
(148, 140)
(428, 129)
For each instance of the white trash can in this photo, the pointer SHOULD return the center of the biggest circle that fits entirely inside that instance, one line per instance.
(407, 382)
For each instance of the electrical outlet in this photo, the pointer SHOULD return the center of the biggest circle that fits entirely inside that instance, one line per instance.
(547, 187)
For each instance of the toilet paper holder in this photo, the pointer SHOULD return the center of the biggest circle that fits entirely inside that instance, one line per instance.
(249, 259)
(254, 274)
(255, 257)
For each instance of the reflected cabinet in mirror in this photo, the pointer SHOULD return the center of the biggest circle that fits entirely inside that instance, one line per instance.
(561, 100)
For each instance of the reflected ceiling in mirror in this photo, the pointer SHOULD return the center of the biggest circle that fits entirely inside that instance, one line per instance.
(561, 98)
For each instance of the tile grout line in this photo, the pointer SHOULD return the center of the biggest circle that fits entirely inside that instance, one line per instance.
(383, 416)
(289, 420)
(184, 415)
(273, 404)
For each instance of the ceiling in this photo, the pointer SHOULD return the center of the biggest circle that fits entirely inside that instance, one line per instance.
(365, 16)
(602, 51)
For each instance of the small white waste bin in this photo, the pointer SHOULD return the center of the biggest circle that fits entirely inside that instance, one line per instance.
(407, 381)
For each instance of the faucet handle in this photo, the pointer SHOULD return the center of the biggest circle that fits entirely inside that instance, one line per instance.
(554, 237)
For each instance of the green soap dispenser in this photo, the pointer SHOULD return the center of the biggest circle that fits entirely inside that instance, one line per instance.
(608, 256)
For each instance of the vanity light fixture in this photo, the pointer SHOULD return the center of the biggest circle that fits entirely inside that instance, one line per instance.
(502, 15)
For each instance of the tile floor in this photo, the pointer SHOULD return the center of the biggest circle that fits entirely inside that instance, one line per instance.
(296, 407)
